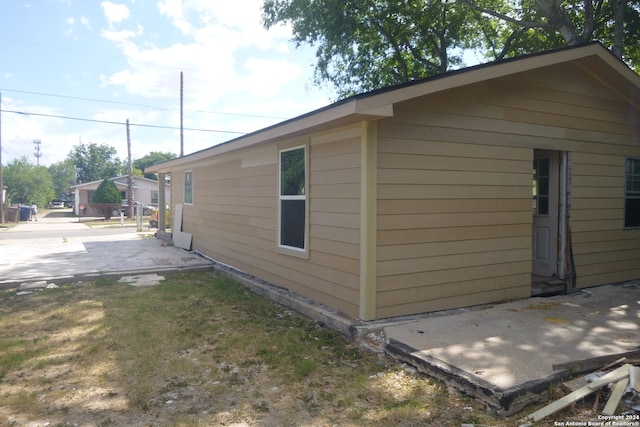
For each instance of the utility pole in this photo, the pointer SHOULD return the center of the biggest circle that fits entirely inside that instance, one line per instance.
(130, 180)
(181, 115)
(1, 181)
(37, 153)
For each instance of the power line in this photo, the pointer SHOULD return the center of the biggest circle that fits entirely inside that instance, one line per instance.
(26, 113)
(106, 101)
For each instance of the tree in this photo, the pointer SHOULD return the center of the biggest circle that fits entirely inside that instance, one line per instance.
(557, 23)
(27, 183)
(106, 197)
(367, 44)
(63, 175)
(94, 162)
(151, 159)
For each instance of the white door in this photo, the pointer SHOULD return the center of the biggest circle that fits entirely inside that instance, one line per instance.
(545, 213)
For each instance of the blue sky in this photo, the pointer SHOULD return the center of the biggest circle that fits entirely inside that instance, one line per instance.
(121, 59)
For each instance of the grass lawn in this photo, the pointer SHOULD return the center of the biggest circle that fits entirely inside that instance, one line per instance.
(199, 350)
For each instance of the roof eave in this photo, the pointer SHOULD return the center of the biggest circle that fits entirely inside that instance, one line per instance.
(350, 111)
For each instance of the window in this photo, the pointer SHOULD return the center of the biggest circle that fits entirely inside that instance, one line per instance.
(293, 199)
(188, 187)
(541, 186)
(154, 197)
(632, 194)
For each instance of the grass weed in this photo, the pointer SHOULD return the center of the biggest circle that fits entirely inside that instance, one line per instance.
(198, 349)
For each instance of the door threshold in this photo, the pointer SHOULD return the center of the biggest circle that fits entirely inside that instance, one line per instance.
(547, 286)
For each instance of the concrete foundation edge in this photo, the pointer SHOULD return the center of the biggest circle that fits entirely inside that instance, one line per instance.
(502, 402)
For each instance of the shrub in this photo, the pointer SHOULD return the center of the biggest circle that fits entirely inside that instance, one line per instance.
(106, 197)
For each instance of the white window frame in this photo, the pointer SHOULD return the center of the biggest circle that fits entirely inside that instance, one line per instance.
(184, 196)
(283, 248)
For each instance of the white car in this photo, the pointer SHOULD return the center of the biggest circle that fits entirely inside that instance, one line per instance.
(56, 204)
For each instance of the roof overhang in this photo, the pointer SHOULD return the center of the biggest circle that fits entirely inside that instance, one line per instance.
(592, 58)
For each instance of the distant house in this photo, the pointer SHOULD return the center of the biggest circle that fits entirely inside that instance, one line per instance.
(145, 192)
(451, 191)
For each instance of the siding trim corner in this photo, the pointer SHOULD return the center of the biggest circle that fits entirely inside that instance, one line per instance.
(368, 218)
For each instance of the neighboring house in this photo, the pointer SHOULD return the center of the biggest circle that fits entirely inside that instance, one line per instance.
(145, 191)
(451, 191)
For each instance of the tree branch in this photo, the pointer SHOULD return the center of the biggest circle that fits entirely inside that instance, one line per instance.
(506, 18)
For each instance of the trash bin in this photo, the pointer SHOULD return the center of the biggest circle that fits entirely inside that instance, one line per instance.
(25, 213)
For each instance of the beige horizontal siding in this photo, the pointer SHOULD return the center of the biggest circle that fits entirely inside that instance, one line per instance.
(454, 208)
(395, 237)
(234, 217)
(416, 305)
(604, 251)
(449, 277)
(454, 220)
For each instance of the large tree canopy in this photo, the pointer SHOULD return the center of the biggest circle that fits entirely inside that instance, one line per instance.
(151, 159)
(366, 44)
(528, 26)
(28, 183)
(63, 175)
(95, 162)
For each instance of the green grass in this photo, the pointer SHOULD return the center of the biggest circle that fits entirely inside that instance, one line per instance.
(198, 350)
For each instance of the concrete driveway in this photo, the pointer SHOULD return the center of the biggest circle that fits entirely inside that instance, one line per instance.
(59, 248)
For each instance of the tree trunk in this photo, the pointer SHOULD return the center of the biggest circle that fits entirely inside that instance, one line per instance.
(619, 7)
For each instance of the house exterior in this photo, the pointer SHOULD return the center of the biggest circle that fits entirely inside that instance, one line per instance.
(145, 191)
(452, 191)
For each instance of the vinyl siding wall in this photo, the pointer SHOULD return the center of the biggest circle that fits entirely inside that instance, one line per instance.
(455, 187)
(234, 216)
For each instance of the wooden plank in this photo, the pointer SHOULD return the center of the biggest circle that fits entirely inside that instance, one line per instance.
(616, 395)
(581, 393)
(613, 376)
(593, 363)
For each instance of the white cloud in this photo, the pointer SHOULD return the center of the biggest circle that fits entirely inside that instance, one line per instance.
(223, 52)
(121, 37)
(173, 10)
(85, 22)
(115, 13)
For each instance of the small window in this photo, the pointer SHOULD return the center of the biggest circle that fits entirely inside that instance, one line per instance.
(541, 186)
(632, 194)
(154, 197)
(293, 199)
(188, 187)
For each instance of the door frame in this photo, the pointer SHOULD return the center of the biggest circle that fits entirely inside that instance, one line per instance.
(560, 214)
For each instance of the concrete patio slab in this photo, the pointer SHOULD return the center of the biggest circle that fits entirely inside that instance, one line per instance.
(504, 354)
